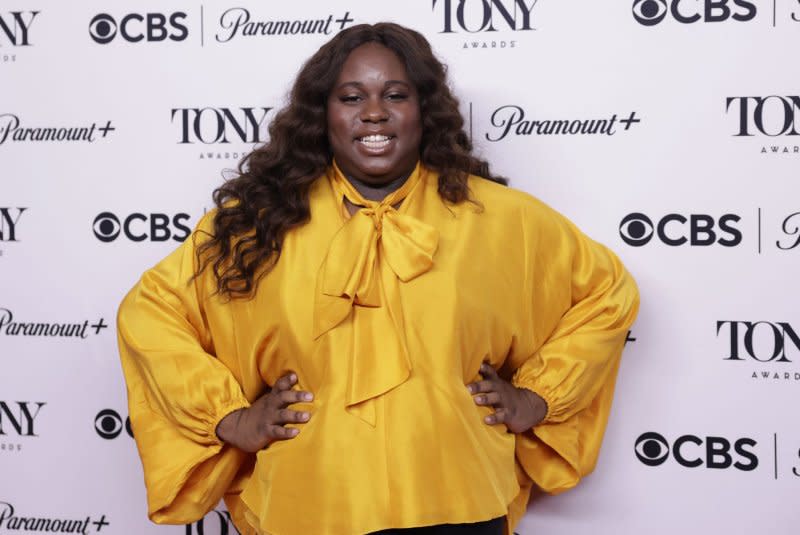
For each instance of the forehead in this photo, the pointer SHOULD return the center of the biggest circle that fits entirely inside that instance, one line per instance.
(372, 62)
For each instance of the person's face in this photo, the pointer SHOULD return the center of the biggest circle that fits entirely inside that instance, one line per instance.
(374, 125)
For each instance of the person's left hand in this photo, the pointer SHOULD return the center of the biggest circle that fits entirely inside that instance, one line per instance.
(519, 408)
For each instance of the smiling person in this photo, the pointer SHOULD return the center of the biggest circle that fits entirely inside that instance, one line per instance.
(372, 333)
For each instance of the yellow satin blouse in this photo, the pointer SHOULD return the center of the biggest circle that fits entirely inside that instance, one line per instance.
(385, 316)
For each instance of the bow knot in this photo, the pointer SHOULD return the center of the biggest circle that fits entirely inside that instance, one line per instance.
(376, 214)
(376, 245)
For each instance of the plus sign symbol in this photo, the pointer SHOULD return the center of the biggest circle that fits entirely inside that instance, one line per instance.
(99, 524)
(629, 338)
(344, 20)
(106, 129)
(101, 324)
(631, 120)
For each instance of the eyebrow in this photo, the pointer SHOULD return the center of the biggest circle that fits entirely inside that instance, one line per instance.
(361, 85)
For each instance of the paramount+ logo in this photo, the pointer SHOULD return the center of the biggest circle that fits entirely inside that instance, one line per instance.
(136, 27)
(692, 451)
(652, 12)
(140, 227)
(637, 229)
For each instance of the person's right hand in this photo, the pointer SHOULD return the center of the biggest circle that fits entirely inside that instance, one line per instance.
(256, 427)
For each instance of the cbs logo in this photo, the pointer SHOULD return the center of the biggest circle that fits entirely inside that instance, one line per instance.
(637, 229)
(152, 27)
(691, 451)
(140, 227)
(108, 424)
(651, 12)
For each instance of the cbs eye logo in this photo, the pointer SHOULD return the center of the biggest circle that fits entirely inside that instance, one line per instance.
(103, 28)
(106, 227)
(139, 227)
(692, 451)
(134, 27)
(649, 12)
(108, 424)
(636, 229)
(652, 449)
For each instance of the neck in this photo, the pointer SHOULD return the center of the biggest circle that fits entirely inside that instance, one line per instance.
(377, 192)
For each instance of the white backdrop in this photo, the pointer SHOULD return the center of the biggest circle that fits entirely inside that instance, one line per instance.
(702, 131)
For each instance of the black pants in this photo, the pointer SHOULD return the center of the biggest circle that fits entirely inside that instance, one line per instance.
(490, 527)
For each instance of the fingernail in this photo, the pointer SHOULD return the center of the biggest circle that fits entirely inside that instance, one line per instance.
(307, 396)
(293, 378)
(488, 419)
(481, 399)
(295, 431)
(304, 416)
(470, 388)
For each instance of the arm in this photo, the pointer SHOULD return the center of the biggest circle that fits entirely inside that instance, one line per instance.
(583, 303)
(178, 391)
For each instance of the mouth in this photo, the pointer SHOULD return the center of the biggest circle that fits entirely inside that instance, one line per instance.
(375, 141)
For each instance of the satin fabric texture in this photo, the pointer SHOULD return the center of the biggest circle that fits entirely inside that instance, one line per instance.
(385, 316)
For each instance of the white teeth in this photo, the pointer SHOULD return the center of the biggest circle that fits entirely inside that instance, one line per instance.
(375, 141)
(375, 137)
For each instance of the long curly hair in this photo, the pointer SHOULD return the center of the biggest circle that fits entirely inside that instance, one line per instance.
(269, 196)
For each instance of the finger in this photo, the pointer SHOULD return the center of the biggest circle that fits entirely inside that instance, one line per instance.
(498, 417)
(488, 371)
(287, 397)
(285, 382)
(481, 386)
(492, 398)
(278, 432)
(288, 416)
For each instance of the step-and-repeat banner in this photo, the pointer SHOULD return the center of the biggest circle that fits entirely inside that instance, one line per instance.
(667, 129)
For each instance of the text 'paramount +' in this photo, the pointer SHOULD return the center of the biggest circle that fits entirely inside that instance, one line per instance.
(512, 119)
(238, 21)
(11, 129)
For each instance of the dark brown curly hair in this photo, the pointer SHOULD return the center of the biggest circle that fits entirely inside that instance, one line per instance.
(269, 196)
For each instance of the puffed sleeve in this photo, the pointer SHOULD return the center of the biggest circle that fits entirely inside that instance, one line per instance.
(178, 389)
(583, 302)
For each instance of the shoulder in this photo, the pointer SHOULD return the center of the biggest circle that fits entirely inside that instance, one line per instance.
(498, 200)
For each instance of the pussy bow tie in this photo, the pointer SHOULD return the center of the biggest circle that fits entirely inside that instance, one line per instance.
(375, 244)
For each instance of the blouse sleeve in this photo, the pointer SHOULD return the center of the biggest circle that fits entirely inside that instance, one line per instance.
(583, 303)
(178, 390)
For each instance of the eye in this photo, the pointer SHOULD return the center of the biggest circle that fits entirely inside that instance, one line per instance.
(108, 424)
(106, 227)
(636, 229)
(102, 28)
(652, 449)
(649, 12)
(397, 96)
(350, 98)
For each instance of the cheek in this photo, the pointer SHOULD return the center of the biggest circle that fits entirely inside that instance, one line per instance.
(338, 126)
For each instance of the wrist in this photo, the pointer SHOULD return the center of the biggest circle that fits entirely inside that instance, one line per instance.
(227, 425)
(537, 406)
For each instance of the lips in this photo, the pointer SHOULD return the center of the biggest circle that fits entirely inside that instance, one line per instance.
(375, 141)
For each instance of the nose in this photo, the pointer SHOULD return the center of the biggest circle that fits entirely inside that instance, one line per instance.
(374, 111)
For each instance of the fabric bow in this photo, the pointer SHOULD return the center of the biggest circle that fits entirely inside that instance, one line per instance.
(376, 238)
